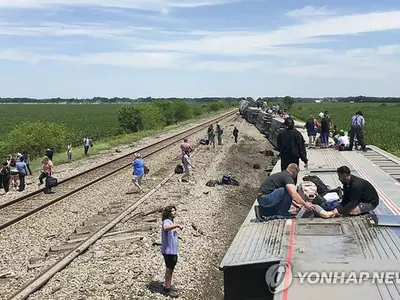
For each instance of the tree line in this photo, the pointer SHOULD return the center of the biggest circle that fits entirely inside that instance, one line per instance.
(115, 100)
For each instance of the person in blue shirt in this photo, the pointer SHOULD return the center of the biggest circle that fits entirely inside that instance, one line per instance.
(357, 125)
(138, 171)
(169, 247)
(22, 172)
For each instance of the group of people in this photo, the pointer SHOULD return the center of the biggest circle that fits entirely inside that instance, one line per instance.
(14, 171)
(329, 136)
(279, 191)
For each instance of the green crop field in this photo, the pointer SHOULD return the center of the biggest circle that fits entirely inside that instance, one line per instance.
(98, 121)
(382, 120)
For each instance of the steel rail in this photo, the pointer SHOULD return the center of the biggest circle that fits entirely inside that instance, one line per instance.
(175, 138)
(39, 281)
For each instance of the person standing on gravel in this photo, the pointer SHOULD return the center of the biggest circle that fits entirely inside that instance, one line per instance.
(138, 171)
(219, 134)
(185, 148)
(186, 164)
(211, 136)
(169, 247)
(235, 134)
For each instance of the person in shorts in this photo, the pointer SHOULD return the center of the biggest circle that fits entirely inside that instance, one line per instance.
(138, 171)
(169, 247)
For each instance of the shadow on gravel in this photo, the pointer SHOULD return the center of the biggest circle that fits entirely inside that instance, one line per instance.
(156, 287)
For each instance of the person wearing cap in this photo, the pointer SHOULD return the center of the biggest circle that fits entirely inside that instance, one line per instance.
(291, 146)
(357, 124)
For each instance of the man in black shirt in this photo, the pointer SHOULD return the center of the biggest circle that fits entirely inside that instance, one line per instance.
(278, 191)
(359, 196)
(291, 146)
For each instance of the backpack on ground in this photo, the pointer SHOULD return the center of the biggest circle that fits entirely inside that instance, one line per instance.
(322, 188)
(51, 182)
(203, 142)
(226, 179)
(179, 169)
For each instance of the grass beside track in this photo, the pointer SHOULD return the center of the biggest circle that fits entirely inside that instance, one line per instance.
(382, 120)
(113, 142)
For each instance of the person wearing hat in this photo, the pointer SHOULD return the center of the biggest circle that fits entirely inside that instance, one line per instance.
(291, 146)
(357, 124)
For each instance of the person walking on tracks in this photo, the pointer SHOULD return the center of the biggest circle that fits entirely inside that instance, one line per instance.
(357, 129)
(359, 195)
(138, 171)
(291, 146)
(169, 247)
(278, 191)
(235, 134)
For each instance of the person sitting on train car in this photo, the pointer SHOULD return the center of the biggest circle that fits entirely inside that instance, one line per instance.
(278, 191)
(343, 142)
(359, 195)
(291, 146)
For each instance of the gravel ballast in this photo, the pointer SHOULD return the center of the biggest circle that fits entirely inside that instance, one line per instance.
(32, 237)
(211, 216)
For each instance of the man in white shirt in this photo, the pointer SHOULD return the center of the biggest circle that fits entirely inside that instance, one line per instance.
(343, 142)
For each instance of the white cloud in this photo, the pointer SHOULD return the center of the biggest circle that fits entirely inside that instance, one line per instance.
(96, 30)
(389, 49)
(255, 43)
(309, 11)
(150, 5)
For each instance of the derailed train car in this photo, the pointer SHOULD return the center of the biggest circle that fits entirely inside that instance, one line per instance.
(264, 122)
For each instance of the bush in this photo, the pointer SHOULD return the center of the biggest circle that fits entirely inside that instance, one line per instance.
(34, 137)
(129, 118)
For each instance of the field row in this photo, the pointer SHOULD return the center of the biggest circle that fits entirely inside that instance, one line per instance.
(382, 120)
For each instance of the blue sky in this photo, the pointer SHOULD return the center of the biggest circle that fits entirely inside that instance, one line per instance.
(196, 48)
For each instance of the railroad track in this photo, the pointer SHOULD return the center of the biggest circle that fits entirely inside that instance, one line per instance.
(20, 208)
(80, 245)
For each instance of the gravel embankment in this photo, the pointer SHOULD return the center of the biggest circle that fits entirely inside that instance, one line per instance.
(67, 170)
(211, 216)
(32, 237)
